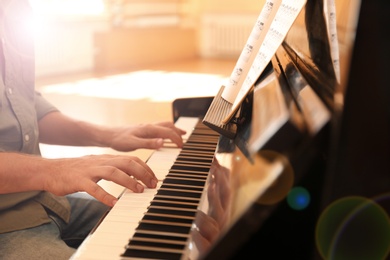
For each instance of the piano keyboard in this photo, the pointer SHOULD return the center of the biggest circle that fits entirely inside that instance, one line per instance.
(157, 223)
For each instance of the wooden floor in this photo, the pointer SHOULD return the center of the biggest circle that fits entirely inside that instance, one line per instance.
(136, 96)
(206, 66)
(129, 97)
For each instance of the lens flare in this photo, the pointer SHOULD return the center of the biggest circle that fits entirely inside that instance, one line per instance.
(353, 228)
(298, 198)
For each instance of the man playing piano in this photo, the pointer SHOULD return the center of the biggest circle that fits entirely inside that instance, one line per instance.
(42, 215)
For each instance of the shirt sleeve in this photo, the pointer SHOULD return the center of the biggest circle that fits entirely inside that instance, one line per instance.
(43, 106)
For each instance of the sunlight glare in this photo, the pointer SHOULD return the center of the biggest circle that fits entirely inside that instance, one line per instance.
(155, 86)
(69, 7)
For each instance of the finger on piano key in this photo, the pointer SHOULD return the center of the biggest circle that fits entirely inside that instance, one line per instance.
(185, 123)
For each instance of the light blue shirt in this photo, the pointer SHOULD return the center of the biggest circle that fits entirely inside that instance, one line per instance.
(21, 107)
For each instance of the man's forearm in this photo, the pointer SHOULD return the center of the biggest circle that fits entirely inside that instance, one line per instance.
(20, 172)
(56, 128)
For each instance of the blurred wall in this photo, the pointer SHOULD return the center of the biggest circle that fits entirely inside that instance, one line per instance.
(96, 44)
(231, 6)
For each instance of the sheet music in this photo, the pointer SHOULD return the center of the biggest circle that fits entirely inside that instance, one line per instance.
(330, 16)
(251, 47)
(273, 37)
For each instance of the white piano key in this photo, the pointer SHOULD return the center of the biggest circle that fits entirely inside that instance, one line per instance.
(187, 124)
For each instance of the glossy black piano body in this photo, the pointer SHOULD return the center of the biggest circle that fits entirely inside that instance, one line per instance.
(345, 162)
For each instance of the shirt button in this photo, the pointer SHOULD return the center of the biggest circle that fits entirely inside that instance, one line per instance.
(10, 91)
(26, 138)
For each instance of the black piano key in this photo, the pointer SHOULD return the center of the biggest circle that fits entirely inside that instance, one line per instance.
(164, 227)
(198, 150)
(164, 241)
(180, 190)
(184, 181)
(198, 164)
(193, 154)
(172, 212)
(156, 245)
(179, 193)
(187, 175)
(174, 220)
(167, 203)
(201, 141)
(197, 154)
(199, 147)
(184, 158)
(198, 160)
(148, 254)
(176, 199)
(168, 186)
(178, 166)
(195, 161)
(140, 235)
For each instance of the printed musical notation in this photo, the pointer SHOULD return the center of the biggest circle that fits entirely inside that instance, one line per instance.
(251, 47)
(330, 16)
(268, 33)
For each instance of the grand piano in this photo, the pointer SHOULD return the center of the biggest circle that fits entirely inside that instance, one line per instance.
(306, 173)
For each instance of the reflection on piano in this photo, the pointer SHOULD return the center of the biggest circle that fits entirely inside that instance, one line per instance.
(315, 154)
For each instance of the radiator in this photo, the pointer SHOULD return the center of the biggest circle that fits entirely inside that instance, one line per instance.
(224, 35)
